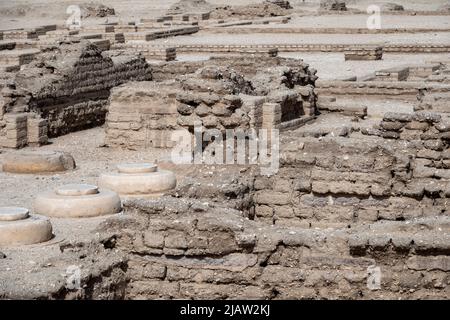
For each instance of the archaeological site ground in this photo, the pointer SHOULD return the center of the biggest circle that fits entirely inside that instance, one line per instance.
(221, 150)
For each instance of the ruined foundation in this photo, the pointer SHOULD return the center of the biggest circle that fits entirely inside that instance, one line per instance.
(317, 160)
(38, 162)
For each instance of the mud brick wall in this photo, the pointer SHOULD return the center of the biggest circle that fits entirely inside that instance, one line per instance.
(75, 97)
(76, 114)
(149, 118)
(393, 48)
(140, 116)
(403, 174)
(285, 109)
(58, 34)
(281, 3)
(18, 130)
(394, 74)
(239, 27)
(37, 134)
(19, 35)
(215, 96)
(114, 37)
(166, 71)
(422, 71)
(167, 54)
(163, 54)
(404, 90)
(17, 57)
(333, 5)
(163, 33)
(7, 45)
(181, 248)
(149, 51)
(433, 101)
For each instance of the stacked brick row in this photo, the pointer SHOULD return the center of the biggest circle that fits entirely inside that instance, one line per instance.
(14, 131)
(326, 183)
(17, 57)
(391, 48)
(333, 5)
(364, 53)
(423, 126)
(164, 54)
(212, 96)
(188, 249)
(163, 33)
(393, 74)
(21, 129)
(281, 3)
(19, 35)
(433, 101)
(376, 88)
(73, 94)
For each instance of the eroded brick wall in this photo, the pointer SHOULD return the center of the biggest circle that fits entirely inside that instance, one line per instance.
(181, 248)
(403, 175)
(69, 86)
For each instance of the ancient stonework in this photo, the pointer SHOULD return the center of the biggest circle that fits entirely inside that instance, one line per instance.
(195, 150)
(236, 97)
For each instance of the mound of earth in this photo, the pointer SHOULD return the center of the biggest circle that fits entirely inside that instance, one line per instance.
(184, 6)
(266, 9)
(392, 7)
(94, 9)
(333, 5)
(16, 11)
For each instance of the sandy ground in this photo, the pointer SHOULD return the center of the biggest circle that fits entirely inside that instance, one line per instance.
(32, 13)
(206, 38)
(333, 65)
(92, 159)
(360, 21)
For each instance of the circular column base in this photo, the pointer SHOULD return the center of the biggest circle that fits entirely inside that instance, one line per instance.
(18, 228)
(77, 201)
(138, 180)
(38, 162)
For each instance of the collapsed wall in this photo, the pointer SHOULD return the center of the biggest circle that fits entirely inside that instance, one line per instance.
(400, 175)
(238, 96)
(360, 216)
(250, 11)
(363, 216)
(67, 87)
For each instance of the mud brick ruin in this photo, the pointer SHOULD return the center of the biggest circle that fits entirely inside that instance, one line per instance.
(357, 208)
(214, 96)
